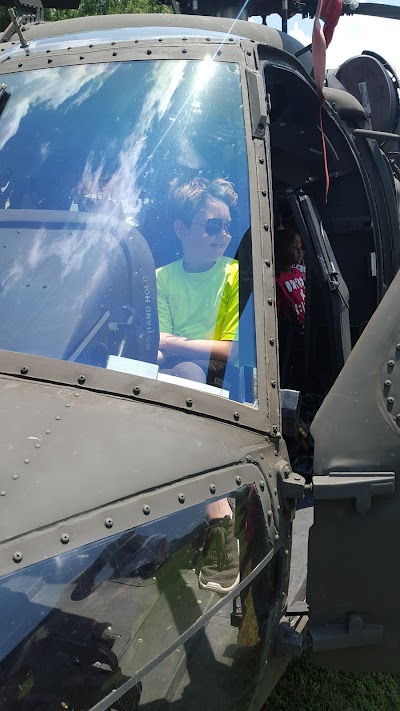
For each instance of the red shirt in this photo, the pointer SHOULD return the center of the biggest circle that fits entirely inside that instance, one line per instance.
(291, 295)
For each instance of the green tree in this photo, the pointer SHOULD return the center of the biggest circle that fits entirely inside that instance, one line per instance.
(95, 7)
(107, 7)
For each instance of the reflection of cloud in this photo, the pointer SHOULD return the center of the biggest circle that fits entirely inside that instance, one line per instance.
(50, 87)
(123, 188)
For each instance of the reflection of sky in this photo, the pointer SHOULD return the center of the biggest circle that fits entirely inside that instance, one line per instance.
(165, 79)
(51, 89)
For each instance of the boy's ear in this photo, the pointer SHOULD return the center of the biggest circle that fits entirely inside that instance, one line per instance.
(180, 228)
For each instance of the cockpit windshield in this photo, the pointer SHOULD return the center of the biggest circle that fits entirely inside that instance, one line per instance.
(125, 222)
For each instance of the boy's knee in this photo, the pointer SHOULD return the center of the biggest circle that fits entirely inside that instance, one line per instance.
(190, 371)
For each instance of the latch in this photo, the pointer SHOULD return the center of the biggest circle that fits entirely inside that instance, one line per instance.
(291, 484)
(361, 486)
(354, 633)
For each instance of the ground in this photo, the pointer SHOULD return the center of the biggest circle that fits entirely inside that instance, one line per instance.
(312, 689)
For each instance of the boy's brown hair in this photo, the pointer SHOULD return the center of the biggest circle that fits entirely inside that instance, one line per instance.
(186, 199)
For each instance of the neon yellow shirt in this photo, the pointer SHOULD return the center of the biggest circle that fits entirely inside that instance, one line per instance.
(199, 305)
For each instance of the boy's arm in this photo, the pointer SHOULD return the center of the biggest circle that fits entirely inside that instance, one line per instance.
(191, 348)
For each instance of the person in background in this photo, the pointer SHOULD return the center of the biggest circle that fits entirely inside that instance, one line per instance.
(290, 275)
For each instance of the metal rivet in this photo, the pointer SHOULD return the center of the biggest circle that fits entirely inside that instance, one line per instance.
(238, 480)
(236, 416)
(277, 539)
(272, 341)
(269, 514)
(49, 61)
(17, 557)
(114, 54)
(37, 445)
(81, 57)
(213, 488)
(207, 39)
(112, 44)
(264, 193)
(90, 46)
(26, 461)
(81, 379)
(160, 39)
(269, 301)
(397, 418)
(48, 431)
(15, 476)
(219, 53)
(57, 417)
(108, 523)
(140, 639)
(136, 390)
(262, 485)
(275, 491)
(76, 394)
(181, 498)
(184, 51)
(3, 493)
(64, 538)
(67, 404)
(387, 383)
(20, 65)
(260, 126)
(146, 509)
(24, 370)
(248, 54)
(189, 402)
(267, 262)
(261, 160)
(149, 51)
(273, 383)
(261, 456)
(391, 363)
(390, 400)
(397, 346)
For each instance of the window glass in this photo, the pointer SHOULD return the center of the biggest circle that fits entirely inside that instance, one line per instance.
(78, 626)
(110, 174)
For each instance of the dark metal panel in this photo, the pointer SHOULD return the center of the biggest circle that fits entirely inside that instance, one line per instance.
(354, 542)
(65, 452)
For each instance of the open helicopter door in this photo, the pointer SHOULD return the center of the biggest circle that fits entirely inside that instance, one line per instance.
(326, 272)
(353, 582)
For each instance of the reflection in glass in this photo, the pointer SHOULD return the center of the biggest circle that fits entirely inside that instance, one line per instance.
(88, 156)
(78, 626)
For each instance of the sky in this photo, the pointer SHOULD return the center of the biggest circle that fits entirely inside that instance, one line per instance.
(352, 36)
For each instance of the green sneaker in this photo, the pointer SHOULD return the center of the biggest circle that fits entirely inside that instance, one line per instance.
(220, 557)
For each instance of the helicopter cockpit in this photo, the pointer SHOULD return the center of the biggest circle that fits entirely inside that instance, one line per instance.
(85, 212)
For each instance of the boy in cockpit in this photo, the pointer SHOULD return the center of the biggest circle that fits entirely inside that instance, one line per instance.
(198, 302)
(198, 307)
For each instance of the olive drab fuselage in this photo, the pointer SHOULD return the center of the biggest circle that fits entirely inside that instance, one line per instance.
(108, 462)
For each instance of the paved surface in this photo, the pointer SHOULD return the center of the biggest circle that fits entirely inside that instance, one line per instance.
(298, 570)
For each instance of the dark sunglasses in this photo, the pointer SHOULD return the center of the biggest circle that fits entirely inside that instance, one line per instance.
(215, 225)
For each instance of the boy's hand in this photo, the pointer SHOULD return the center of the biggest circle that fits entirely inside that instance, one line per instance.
(169, 343)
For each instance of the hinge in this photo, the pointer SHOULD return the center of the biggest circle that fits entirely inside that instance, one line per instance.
(258, 108)
(361, 486)
(354, 633)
